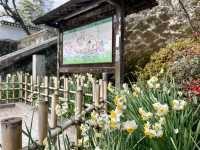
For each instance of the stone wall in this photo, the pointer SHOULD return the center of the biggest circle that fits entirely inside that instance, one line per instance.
(37, 38)
(150, 30)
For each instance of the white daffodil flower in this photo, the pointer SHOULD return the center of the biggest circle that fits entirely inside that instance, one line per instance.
(130, 126)
(178, 104)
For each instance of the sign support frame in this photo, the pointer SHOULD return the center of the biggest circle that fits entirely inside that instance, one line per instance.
(118, 43)
(119, 20)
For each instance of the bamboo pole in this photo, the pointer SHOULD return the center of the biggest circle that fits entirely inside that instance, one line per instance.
(77, 82)
(66, 90)
(13, 87)
(11, 129)
(46, 84)
(32, 88)
(54, 103)
(71, 122)
(42, 120)
(93, 90)
(81, 82)
(105, 91)
(78, 110)
(38, 87)
(56, 85)
(25, 88)
(97, 96)
(21, 85)
(7, 88)
(101, 90)
(0, 87)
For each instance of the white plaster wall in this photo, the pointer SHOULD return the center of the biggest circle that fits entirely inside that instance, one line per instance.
(11, 33)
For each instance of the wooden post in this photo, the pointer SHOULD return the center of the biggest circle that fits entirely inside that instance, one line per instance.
(105, 92)
(42, 120)
(59, 47)
(54, 103)
(119, 21)
(11, 129)
(78, 110)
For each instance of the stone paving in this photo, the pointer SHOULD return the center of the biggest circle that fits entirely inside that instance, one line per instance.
(25, 111)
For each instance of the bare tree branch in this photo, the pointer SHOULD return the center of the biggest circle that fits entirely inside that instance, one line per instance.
(187, 15)
(20, 20)
(13, 13)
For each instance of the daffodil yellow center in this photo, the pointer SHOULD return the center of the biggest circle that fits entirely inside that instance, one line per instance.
(162, 110)
(130, 130)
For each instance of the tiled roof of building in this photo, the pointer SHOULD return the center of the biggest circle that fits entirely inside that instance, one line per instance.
(17, 25)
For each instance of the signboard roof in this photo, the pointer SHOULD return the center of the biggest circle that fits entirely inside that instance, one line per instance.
(74, 8)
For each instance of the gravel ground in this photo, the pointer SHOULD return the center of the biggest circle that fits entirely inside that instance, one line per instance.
(25, 111)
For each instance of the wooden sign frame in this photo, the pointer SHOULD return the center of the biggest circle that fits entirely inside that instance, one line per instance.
(70, 68)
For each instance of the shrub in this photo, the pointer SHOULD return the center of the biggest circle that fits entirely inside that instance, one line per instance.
(180, 58)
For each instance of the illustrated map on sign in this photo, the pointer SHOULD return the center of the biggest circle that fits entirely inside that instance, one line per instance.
(89, 44)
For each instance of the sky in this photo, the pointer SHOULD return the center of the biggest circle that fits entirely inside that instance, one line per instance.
(57, 3)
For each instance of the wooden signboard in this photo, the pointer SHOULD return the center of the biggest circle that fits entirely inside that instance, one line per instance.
(93, 42)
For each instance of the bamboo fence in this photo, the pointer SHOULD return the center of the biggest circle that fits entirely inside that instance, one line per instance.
(21, 87)
(45, 90)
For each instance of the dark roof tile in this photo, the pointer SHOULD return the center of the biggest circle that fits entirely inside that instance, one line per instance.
(72, 8)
